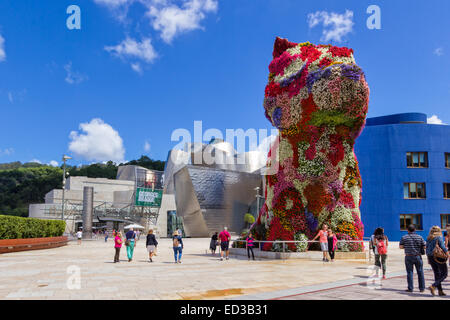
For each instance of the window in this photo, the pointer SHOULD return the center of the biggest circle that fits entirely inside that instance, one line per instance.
(414, 190)
(407, 219)
(447, 160)
(417, 159)
(445, 220)
(446, 190)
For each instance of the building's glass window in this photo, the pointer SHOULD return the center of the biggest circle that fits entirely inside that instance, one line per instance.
(447, 190)
(417, 159)
(447, 160)
(414, 190)
(445, 220)
(407, 219)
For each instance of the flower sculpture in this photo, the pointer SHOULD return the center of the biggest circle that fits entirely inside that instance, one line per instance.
(318, 99)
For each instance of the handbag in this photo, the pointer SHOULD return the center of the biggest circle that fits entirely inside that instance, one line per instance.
(439, 254)
(127, 243)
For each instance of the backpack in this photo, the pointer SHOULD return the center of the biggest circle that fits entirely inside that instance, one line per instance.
(176, 242)
(381, 247)
(439, 254)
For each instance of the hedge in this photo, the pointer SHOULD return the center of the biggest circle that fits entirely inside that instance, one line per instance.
(19, 228)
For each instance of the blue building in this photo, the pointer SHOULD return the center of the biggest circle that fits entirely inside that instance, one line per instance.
(405, 168)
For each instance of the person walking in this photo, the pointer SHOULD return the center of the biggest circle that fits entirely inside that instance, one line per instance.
(117, 246)
(107, 236)
(130, 243)
(79, 236)
(332, 243)
(213, 243)
(250, 244)
(414, 246)
(381, 243)
(177, 246)
(151, 244)
(437, 255)
(224, 238)
(323, 234)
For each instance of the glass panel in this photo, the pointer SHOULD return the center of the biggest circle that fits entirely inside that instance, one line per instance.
(412, 190)
(402, 222)
(415, 159)
(422, 158)
(405, 191)
(408, 159)
(421, 190)
(408, 220)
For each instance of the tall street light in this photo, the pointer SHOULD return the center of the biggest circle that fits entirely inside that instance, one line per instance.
(64, 159)
(258, 196)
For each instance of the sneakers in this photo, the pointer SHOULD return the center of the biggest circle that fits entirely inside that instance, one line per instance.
(227, 258)
(221, 258)
(432, 290)
(179, 261)
(384, 277)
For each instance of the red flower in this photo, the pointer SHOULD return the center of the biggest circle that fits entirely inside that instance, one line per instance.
(340, 52)
(280, 46)
(309, 53)
(325, 62)
(273, 89)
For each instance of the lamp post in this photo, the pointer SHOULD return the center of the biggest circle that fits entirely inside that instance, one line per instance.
(64, 159)
(257, 200)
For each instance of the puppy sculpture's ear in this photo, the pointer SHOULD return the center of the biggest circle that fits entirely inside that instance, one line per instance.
(280, 46)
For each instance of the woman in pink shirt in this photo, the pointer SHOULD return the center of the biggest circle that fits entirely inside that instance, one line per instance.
(117, 245)
(323, 234)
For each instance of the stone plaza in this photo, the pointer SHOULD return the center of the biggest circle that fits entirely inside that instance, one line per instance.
(87, 271)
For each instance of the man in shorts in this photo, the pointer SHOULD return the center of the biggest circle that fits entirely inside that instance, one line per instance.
(323, 234)
(224, 238)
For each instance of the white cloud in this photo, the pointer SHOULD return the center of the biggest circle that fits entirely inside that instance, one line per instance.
(98, 142)
(336, 26)
(73, 77)
(7, 151)
(146, 146)
(53, 163)
(2, 49)
(132, 49)
(434, 120)
(439, 52)
(171, 20)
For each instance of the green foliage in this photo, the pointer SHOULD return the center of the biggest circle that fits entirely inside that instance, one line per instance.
(301, 246)
(249, 218)
(22, 186)
(148, 163)
(96, 170)
(331, 118)
(21, 228)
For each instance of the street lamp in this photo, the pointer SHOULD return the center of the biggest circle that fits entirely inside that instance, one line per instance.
(64, 159)
(257, 199)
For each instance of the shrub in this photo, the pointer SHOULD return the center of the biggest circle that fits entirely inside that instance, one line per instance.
(301, 246)
(20, 228)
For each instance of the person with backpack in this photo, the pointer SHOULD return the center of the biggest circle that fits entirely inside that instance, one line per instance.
(177, 246)
(250, 244)
(437, 255)
(381, 243)
(151, 244)
(130, 243)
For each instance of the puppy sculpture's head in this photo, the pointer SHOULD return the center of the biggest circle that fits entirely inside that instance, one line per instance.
(317, 86)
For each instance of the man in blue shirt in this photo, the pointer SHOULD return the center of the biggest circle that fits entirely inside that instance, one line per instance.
(130, 243)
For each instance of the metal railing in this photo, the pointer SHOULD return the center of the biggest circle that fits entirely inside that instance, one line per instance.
(308, 242)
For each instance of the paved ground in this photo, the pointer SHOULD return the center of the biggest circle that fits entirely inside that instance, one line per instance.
(87, 272)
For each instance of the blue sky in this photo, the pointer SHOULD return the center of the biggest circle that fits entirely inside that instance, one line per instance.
(144, 68)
